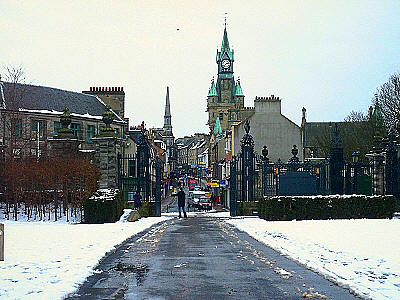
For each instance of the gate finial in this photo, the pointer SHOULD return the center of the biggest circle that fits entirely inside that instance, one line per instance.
(247, 126)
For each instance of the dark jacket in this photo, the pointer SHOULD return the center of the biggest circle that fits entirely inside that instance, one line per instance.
(137, 200)
(181, 198)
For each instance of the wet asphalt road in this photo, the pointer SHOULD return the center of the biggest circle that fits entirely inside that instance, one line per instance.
(201, 258)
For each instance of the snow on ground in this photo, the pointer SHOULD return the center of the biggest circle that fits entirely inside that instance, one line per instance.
(215, 214)
(362, 255)
(49, 260)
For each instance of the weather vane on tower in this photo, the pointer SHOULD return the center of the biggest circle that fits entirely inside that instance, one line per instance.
(225, 19)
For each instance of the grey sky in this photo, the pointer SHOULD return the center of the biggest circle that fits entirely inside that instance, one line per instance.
(328, 56)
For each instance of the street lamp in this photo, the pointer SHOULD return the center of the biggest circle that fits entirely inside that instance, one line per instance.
(265, 161)
(355, 156)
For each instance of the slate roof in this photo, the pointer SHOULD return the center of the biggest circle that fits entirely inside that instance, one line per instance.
(32, 97)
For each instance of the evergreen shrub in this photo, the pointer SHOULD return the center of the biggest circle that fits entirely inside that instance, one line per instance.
(284, 208)
(147, 209)
(105, 206)
(247, 208)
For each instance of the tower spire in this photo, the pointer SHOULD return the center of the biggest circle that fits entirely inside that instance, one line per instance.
(167, 104)
(225, 19)
(167, 116)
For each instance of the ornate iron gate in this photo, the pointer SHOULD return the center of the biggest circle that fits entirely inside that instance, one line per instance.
(140, 173)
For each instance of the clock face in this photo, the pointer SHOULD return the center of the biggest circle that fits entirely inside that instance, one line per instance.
(226, 64)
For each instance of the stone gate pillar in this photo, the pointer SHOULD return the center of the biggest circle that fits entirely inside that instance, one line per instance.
(377, 159)
(107, 147)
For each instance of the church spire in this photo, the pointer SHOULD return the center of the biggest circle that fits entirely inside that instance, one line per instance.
(167, 115)
(167, 104)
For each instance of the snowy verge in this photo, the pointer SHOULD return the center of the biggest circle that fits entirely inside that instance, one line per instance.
(50, 260)
(361, 255)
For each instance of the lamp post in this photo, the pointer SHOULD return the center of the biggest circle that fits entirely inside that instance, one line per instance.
(265, 161)
(355, 156)
(157, 208)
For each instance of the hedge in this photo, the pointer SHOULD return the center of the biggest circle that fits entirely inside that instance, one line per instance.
(103, 207)
(326, 207)
(147, 209)
(247, 208)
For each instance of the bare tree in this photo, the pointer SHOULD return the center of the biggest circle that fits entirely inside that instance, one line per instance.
(356, 132)
(387, 99)
(359, 132)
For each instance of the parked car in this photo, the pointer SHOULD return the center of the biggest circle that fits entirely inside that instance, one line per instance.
(205, 203)
(196, 197)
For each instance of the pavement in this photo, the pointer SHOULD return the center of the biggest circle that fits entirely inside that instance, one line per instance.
(202, 258)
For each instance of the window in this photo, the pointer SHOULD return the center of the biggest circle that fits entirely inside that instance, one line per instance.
(57, 127)
(117, 131)
(17, 153)
(17, 128)
(132, 167)
(90, 133)
(76, 130)
(221, 116)
(38, 129)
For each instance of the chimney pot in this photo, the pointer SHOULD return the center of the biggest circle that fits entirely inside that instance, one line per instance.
(122, 88)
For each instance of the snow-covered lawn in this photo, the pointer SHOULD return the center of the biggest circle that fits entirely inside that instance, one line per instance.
(49, 260)
(363, 255)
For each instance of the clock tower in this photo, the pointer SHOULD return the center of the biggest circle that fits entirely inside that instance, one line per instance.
(225, 97)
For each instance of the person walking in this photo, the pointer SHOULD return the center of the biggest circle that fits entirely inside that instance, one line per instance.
(181, 202)
(137, 200)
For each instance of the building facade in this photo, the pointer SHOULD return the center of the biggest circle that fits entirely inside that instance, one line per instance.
(269, 127)
(30, 118)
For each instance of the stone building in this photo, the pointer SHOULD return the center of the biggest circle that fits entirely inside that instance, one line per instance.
(187, 157)
(30, 118)
(112, 96)
(271, 128)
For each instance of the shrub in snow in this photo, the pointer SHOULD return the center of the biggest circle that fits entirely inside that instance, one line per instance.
(147, 209)
(105, 206)
(326, 207)
(247, 208)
